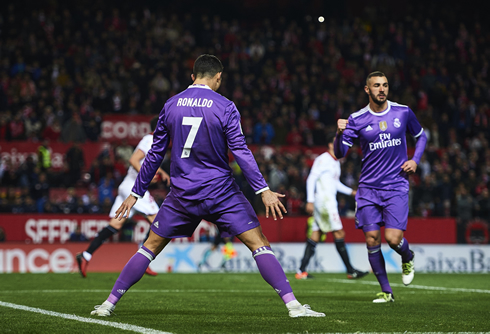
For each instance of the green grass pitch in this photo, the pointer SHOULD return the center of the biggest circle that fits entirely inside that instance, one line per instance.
(243, 303)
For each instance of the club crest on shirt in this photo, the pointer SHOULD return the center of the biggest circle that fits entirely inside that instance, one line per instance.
(383, 126)
(397, 123)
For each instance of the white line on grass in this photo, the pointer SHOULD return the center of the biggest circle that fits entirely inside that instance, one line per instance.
(421, 287)
(119, 325)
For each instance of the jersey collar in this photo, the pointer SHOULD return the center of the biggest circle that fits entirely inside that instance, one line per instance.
(380, 113)
(199, 86)
(335, 158)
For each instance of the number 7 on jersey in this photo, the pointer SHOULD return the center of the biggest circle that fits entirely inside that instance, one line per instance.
(195, 123)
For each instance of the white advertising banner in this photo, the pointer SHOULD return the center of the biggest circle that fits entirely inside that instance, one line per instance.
(186, 257)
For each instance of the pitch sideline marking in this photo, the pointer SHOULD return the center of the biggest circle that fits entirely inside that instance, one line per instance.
(118, 325)
(421, 287)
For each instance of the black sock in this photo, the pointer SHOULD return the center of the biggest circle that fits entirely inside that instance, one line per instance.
(309, 252)
(102, 236)
(340, 244)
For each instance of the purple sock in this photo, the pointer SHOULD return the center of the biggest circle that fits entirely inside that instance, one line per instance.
(377, 262)
(131, 273)
(272, 272)
(404, 250)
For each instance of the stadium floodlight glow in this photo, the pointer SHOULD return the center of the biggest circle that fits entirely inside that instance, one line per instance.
(321, 19)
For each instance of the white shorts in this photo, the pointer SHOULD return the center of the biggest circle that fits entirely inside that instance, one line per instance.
(327, 218)
(146, 205)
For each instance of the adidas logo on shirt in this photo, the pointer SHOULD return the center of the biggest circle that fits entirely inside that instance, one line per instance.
(369, 128)
(156, 224)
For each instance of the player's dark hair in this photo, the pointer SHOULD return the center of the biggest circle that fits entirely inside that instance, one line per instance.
(375, 74)
(207, 66)
(330, 137)
(153, 123)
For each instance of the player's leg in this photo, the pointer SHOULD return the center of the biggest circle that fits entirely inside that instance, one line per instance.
(369, 218)
(377, 261)
(339, 238)
(234, 215)
(396, 218)
(272, 272)
(400, 245)
(150, 219)
(311, 242)
(132, 272)
(84, 257)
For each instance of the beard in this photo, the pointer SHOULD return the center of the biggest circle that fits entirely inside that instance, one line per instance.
(376, 100)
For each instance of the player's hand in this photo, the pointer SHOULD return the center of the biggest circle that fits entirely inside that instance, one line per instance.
(309, 208)
(125, 208)
(409, 167)
(165, 177)
(353, 193)
(155, 179)
(341, 125)
(272, 204)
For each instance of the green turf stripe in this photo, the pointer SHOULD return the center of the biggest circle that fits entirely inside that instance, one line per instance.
(118, 325)
(176, 291)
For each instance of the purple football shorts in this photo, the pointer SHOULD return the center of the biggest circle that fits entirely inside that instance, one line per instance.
(376, 208)
(231, 212)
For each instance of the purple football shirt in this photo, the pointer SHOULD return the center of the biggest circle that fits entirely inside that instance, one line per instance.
(383, 143)
(202, 125)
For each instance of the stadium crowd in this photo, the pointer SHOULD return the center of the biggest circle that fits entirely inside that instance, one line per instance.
(63, 68)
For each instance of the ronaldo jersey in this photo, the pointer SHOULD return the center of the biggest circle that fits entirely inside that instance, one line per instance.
(202, 125)
(383, 144)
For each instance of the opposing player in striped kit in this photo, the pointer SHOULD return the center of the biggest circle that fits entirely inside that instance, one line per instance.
(203, 125)
(382, 196)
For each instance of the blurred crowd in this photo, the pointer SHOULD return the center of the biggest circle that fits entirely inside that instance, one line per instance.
(62, 68)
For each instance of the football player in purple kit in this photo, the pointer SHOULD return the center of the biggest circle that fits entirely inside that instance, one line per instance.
(382, 196)
(202, 126)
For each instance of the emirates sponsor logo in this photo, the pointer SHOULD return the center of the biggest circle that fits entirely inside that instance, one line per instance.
(384, 142)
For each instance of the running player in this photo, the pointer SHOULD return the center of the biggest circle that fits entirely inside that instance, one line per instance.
(382, 196)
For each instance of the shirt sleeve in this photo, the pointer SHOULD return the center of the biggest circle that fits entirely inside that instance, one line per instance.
(345, 140)
(238, 147)
(413, 125)
(315, 173)
(342, 188)
(154, 157)
(416, 130)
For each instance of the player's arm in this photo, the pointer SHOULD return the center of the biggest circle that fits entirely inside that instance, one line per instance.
(415, 129)
(314, 175)
(246, 161)
(343, 189)
(344, 138)
(135, 159)
(147, 171)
